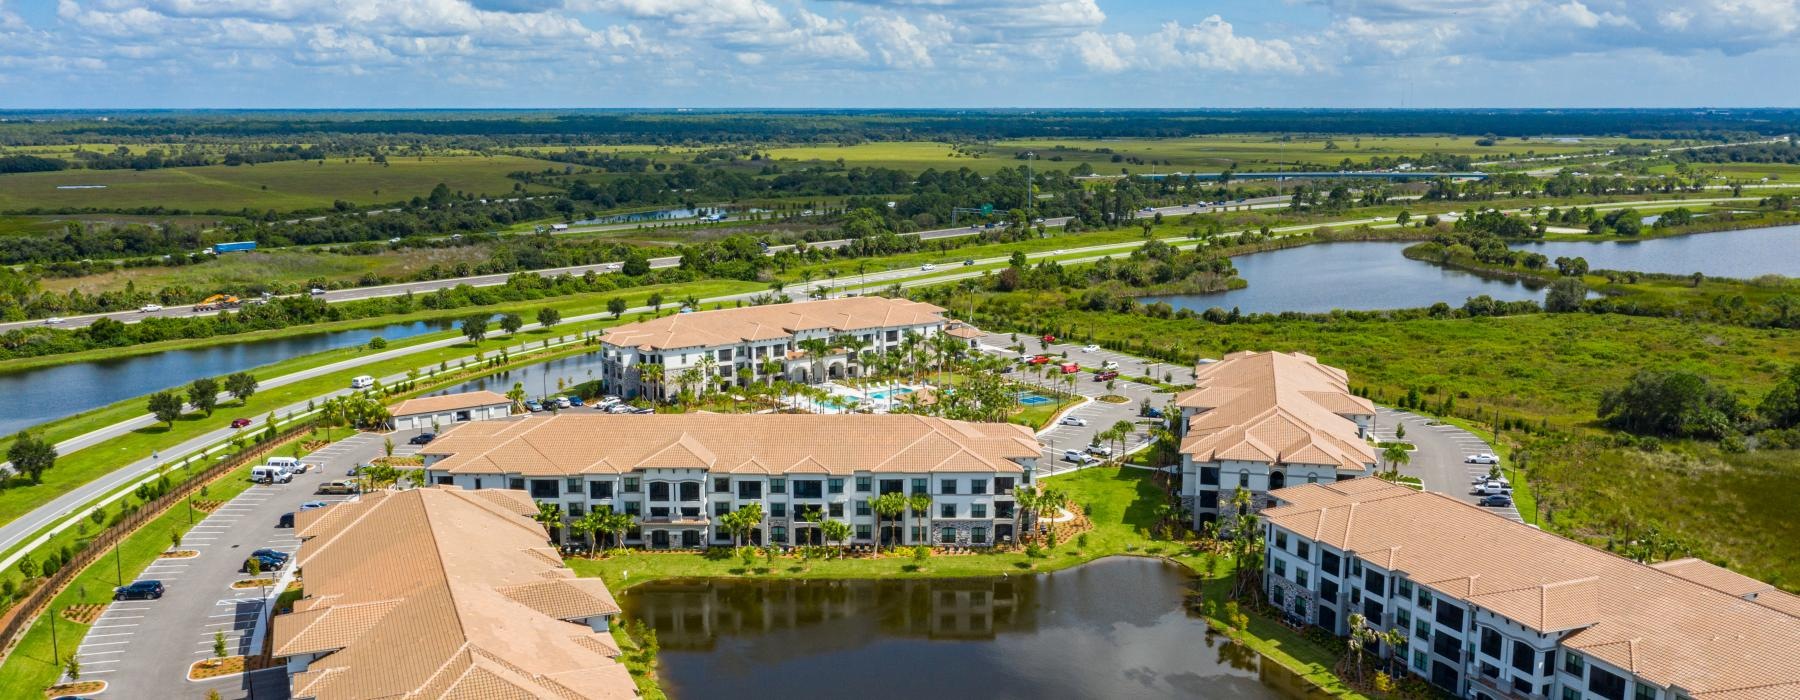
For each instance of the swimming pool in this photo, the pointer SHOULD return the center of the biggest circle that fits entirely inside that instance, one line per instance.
(883, 395)
(1029, 398)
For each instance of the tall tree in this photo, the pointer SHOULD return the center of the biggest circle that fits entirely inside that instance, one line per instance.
(548, 317)
(474, 327)
(511, 323)
(241, 385)
(616, 306)
(31, 455)
(203, 393)
(166, 406)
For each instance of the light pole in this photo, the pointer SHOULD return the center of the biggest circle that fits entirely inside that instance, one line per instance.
(1029, 156)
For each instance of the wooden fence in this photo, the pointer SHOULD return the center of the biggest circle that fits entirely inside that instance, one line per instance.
(17, 620)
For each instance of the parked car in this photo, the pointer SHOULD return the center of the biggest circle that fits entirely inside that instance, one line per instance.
(271, 475)
(1100, 451)
(1072, 456)
(286, 520)
(1483, 458)
(609, 399)
(1049, 338)
(1070, 368)
(423, 438)
(262, 563)
(1091, 348)
(620, 408)
(563, 402)
(1149, 412)
(139, 590)
(1106, 376)
(1109, 364)
(1496, 501)
(1484, 479)
(310, 505)
(575, 401)
(240, 422)
(533, 405)
(1073, 420)
(151, 308)
(1038, 360)
(353, 471)
(275, 553)
(340, 488)
(1491, 488)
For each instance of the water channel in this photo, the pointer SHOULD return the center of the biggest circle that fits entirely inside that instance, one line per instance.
(48, 393)
(1741, 254)
(1116, 628)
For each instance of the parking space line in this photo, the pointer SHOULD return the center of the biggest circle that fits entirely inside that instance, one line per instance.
(112, 634)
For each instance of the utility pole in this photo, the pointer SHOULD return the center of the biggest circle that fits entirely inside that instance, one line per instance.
(1029, 156)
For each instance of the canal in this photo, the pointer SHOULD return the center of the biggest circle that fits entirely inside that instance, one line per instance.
(1115, 628)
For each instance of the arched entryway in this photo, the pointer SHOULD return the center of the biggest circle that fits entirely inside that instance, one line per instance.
(1277, 480)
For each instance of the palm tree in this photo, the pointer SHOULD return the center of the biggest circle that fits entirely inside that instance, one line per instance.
(652, 374)
(1050, 502)
(921, 507)
(1122, 431)
(617, 524)
(550, 515)
(890, 505)
(517, 396)
(586, 526)
(815, 349)
(770, 367)
(1025, 500)
(749, 518)
(1397, 456)
(835, 531)
(705, 368)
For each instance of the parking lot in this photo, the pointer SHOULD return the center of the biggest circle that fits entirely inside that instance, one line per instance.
(1098, 415)
(143, 648)
(1438, 459)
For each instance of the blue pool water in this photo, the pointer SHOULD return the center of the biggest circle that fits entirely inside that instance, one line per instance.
(1031, 399)
(883, 395)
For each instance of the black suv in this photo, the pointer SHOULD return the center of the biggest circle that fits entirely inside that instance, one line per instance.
(139, 590)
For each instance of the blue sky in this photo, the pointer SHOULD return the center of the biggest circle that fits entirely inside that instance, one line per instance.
(897, 53)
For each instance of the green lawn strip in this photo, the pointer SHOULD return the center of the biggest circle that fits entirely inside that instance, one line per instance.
(1274, 640)
(88, 464)
(32, 665)
(1121, 503)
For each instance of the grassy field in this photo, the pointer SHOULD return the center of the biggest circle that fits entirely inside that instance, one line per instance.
(902, 155)
(283, 186)
(1738, 171)
(281, 266)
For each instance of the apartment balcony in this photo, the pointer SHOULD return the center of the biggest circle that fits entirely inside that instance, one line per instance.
(689, 520)
(1495, 687)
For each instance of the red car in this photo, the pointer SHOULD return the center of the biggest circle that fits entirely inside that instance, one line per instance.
(1106, 376)
(1070, 368)
(241, 422)
(1049, 338)
(1039, 360)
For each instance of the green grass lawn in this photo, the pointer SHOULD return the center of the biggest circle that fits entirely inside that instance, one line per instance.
(282, 186)
(291, 266)
(1248, 152)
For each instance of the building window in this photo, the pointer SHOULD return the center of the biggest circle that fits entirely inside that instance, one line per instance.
(1424, 599)
(576, 510)
(947, 510)
(1328, 590)
(1402, 618)
(835, 485)
(659, 490)
(978, 535)
(1003, 509)
(1523, 656)
(544, 488)
(862, 508)
(632, 508)
(892, 486)
(1423, 629)
(600, 489)
(947, 535)
(572, 485)
(659, 511)
(721, 508)
(514, 484)
(1644, 691)
(1280, 566)
(778, 486)
(1328, 562)
(1300, 577)
(1209, 499)
(722, 484)
(1375, 583)
(919, 485)
(1281, 540)
(1450, 616)
(1605, 683)
(863, 532)
(1303, 550)
(1404, 588)
(863, 484)
(690, 490)
(1573, 664)
(1420, 660)
(947, 487)
(978, 510)
(836, 510)
(1490, 643)
(778, 534)
(1355, 567)
(1209, 476)
(978, 486)
(777, 510)
(631, 484)
(1243, 479)
(1372, 609)
(748, 489)
(1276, 596)
(808, 489)
(1003, 485)
(1570, 693)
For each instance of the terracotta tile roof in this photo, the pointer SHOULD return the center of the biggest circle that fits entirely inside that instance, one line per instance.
(1281, 408)
(771, 322)
(587, 443)
(963, 330)
(1720, 578)
(448, 402)
(443, 593)
(1648, 620)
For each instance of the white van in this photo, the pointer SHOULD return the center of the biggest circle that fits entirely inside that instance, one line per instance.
(287, 464)
(266, 474)
(362, 382)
